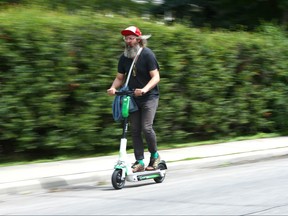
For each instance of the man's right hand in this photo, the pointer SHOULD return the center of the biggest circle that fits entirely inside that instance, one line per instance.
(111, 91)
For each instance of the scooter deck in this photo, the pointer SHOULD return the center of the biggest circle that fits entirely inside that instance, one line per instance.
(139, 176)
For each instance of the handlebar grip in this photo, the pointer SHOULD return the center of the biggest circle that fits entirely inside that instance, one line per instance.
(124, 92)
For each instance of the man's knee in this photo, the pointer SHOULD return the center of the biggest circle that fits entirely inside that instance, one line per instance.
(148, 130)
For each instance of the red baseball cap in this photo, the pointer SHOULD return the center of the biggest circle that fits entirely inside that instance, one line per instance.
(131, 30)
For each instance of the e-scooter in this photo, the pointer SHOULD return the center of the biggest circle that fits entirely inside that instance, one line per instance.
(123, 170)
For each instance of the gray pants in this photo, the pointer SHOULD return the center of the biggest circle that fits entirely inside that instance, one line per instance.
(142, 121)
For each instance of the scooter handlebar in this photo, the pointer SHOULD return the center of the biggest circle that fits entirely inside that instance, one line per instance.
(129, 92)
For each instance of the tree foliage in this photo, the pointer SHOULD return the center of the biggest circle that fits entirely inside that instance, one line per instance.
(226, 13)
(229, 14)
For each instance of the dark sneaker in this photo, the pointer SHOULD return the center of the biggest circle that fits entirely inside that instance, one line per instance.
(137, 167)
(153, 164)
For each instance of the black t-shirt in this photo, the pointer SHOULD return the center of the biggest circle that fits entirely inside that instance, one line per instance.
(146, 62)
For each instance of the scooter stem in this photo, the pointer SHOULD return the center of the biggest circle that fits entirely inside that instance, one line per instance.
(122, 151)
(123, 158)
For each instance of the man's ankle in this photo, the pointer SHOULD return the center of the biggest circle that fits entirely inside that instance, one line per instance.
(154, 155)
(141, 162)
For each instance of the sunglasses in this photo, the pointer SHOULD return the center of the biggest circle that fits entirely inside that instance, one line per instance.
(129, 38)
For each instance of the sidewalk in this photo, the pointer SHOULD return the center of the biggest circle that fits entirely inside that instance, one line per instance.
(24, 179)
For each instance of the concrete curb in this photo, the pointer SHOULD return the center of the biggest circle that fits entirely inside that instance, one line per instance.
(103, 176)
(233, 159)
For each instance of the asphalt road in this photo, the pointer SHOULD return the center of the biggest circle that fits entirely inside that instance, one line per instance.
(249, 189)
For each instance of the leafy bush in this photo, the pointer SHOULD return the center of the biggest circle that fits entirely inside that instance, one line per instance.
(55, 69)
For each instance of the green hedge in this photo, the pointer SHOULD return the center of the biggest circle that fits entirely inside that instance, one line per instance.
(55, 69)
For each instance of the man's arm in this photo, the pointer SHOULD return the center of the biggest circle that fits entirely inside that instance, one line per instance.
(155, 79)
(118, 81)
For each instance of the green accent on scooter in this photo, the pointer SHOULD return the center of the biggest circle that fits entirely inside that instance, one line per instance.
(125, 106)
(145, 177)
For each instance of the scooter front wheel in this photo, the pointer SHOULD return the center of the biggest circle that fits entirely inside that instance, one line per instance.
(116, 179)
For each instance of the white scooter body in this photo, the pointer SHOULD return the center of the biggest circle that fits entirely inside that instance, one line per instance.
(127, 173)
(122, 169)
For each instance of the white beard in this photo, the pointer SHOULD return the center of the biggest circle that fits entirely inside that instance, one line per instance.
(131, 52)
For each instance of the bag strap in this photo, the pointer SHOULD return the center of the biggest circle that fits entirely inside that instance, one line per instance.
(134, 62)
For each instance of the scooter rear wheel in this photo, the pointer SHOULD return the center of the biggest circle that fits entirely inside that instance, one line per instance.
(116, 180)
(160, 179)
